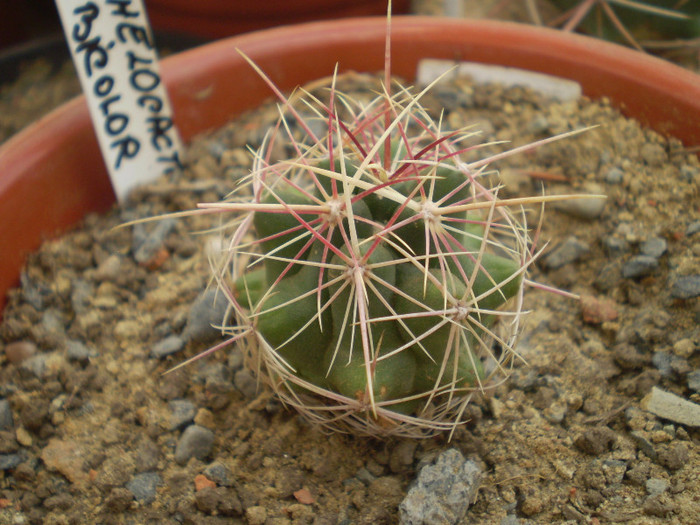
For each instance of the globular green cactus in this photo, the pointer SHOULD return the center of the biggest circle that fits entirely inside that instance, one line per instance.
(373, 272)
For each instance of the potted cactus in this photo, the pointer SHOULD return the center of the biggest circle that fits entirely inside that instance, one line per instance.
(380, 249)
(368, 272)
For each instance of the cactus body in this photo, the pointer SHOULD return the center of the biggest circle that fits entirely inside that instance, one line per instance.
(368, 289)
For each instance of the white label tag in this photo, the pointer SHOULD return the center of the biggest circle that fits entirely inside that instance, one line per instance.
(559, 88)
(114, 53)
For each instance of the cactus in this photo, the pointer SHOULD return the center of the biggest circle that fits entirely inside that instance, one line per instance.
(371, 272)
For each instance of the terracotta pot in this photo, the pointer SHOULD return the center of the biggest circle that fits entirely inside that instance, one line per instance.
(220, 18)
(52, 174)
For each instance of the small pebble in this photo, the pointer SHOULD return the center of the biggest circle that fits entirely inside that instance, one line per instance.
(614, 175)
(674, 456)
(555, 412)
(615, 246)
(119, 499)
(195, 442)
(614, 470)
(654, 247)
(401, 457)
(628, 357)
(684, 348)
(662, 362)
(585, 208)
(256, 515)
(207, 311)
(639, 266)
(6, 422)
(182, 412)
(20, 351)
(658, 506)
(167, 346)
(596, 441)
(672, 407)
(365, 476)
(598, 310)
(656, 486)
(644, 444)
(245, 383)
(147, 245)
(689, 173)
(442, 492)
(219, 473)
(10, 461)
(694, 380)
(693, 228)
(653, 154)
(109, 269)
(77, 351)
(143, 486)
(567, 252)
(686, 287)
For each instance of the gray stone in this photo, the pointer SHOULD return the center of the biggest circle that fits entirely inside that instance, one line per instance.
(9, 461)
(182, 412)
(6, 422)
(662, 362)
(168, 346)
(653, 154)
(35, 365)
(639, 266)
(33, 292)
(143, 486)
(81, 297)
(693, 228)
(693, 381)
(654, 247)
(442, 492)
(644, 444)
(207, 311)
(52, 322)
(195, 442)
(614, 175)
(672, 407)
(555, 412)
(245, 383)
(147, 244)
(77, 351)
(615, 246)
(689, 173)
(584, 208)
(686, 287)
(567, 252)
(539, 124)
(219, 473)
(614, 471)
(656, 486)
(365, 476)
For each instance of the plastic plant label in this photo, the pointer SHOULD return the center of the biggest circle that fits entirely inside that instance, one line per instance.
(549, 85)
(112, 46)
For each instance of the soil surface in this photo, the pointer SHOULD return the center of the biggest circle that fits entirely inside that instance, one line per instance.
(91, 431)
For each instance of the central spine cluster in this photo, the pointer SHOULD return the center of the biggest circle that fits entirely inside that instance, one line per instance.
(369, 279)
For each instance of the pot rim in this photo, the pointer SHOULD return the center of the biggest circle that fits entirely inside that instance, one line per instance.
(60, 150)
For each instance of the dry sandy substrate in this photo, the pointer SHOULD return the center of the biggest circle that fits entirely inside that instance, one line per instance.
(92, 432)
